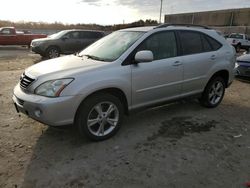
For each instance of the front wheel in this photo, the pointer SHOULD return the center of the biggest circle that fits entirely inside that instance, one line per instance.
(99, 117)
(52, 52)
(213, 93)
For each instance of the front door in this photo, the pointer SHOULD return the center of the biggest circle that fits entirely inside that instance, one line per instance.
(160, 79)
(72, 43)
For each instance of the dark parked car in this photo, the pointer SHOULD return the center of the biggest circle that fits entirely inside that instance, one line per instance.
(242, 66)
(65, 42)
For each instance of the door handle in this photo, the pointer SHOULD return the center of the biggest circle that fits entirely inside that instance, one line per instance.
(177, 63)
(213, 57)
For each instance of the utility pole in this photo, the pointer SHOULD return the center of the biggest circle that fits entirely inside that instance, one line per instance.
(160, 12)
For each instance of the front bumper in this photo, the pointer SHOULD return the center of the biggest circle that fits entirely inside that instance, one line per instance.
(37, 50)
(50, 111)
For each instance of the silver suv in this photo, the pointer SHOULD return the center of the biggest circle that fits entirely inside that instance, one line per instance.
(126, 70)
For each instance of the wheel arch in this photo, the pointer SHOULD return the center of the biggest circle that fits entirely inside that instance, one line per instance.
(112, 91)
(222, 73)
(53, 46)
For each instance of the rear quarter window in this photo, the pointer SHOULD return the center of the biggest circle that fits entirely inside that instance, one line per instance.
(214, 43)
(207, 47)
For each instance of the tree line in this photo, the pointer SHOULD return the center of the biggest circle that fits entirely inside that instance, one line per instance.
(61, 26)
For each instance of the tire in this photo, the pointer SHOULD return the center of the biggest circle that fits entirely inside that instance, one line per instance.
(93, 119)
(52, 52)
(238, 48)
(213, 92)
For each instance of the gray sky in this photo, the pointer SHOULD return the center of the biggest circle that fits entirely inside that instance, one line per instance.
(105, 11)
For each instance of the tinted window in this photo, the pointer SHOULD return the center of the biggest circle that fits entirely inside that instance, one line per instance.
(191, 42)
(163, 45)
(206, 45)
(91, 35)
(96, 35)
(214, 44)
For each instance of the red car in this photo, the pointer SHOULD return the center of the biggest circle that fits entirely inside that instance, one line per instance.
(9, 36)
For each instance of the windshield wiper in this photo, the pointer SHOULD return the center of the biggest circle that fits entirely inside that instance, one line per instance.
(94, 57)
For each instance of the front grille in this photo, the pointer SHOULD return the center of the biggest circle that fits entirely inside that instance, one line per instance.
(25, 81)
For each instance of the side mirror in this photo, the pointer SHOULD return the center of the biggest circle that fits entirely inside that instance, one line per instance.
(144, 56)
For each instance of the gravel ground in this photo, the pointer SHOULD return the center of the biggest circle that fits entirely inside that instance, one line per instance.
(177, 145)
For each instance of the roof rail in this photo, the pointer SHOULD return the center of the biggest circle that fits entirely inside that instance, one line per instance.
(185, 25)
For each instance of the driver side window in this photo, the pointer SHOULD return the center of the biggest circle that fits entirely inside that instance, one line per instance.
(6, 32)
(73, 35)
(162, 44)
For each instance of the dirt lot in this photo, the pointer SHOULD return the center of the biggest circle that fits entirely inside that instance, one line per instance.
(174, 146)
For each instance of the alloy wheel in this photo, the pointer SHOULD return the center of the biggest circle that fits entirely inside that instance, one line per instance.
(103, 118)
(53, 53)
(216, 92)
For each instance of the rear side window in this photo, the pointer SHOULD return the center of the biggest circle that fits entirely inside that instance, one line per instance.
(191, 42)
(91, 35)
(196, 42)
(163, 45)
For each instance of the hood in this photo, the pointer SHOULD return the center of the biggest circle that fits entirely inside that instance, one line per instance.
(244, 58)
(42, 39)
(66, 65)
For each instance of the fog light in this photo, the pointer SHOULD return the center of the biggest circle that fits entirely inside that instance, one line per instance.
(38, 112)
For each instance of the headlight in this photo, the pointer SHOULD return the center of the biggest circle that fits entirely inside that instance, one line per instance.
(36, 43)
(52, 88)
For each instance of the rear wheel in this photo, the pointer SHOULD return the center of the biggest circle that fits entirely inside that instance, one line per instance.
(99, 117)
(52, 52)
(213, 93)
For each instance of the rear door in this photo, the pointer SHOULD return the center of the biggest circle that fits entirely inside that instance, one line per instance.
(160, 79)
(198, 57)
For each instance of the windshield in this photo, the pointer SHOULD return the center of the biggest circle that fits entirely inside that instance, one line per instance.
(57, 35)
(112, 46)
